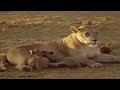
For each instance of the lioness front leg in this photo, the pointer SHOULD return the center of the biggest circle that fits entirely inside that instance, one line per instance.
(106, 58)
(56, 65)
(78, 61)
(71, 62)
(88, 62)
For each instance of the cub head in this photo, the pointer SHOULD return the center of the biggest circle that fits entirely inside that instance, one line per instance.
(86, 34)
(46, 53)
(50, 56)
(41, 53)
(35, 53)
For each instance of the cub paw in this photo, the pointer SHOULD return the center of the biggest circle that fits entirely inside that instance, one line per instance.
(27, 68)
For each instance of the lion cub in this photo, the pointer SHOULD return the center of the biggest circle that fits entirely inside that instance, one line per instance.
(50, 55)
(38, 60)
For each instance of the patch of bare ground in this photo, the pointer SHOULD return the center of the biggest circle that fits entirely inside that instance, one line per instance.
(18, 28)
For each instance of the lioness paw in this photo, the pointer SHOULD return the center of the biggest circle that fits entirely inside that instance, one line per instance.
(96, 65)
(117, 59)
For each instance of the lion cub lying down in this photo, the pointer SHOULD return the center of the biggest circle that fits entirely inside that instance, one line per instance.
(38, 60)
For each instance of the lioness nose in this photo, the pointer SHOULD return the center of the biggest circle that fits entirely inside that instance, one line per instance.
(94, 40)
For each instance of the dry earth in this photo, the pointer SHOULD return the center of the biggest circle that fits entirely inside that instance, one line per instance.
(17, 28)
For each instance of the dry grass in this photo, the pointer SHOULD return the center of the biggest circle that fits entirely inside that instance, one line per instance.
(17, 28)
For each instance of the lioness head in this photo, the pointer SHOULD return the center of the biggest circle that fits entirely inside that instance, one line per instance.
(46, 53)
(86, 34)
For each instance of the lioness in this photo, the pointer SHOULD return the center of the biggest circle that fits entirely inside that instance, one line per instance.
(81, 46)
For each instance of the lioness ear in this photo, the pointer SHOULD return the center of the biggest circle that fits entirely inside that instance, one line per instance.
(98, 26)
(87, 22)
(74, 29)
(51, 53)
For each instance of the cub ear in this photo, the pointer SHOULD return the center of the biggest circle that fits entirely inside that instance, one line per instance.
(51, 53)
(74, 29)
(32, 51)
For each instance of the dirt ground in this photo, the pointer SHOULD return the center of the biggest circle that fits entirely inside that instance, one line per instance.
(18, 28)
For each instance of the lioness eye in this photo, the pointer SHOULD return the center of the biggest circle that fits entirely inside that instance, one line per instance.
(87, 34)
